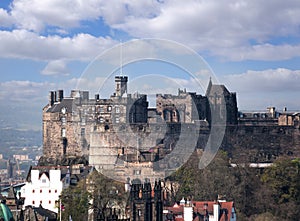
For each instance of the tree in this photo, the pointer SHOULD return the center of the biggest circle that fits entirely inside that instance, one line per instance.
(107, 194)
(75, 201)
(96, 193)
(283, 178)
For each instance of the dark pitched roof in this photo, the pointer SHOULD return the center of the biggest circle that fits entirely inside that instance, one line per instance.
(11, 193)
(45, 170)
(66, 102)
(45, 212)
(217, 89)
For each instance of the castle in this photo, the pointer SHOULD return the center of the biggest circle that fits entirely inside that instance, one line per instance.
(122, 135)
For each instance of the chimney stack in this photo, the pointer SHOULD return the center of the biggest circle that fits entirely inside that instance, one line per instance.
(51, 98)
(60, 95)
(216, 211)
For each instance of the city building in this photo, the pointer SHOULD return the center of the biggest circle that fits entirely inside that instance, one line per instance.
(21, 157)
(219, 210)
(44, 185)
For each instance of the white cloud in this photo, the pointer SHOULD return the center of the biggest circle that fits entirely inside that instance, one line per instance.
(266, 52)
(29, 45)
(56, 67)
(234, 30)
(23, 92)
(259, 89)
(5, 19)
(35, 15)
(225, 28)
(271, 80)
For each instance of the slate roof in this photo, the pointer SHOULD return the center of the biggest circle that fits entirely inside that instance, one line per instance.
(45, 213)
(218, 89)
(66, 102)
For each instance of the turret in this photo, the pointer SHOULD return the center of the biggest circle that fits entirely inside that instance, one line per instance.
(121, 85)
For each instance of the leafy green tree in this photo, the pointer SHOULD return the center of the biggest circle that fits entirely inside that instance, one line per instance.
(283, 179)
(107, 194)
(75, 202)
(95, 193)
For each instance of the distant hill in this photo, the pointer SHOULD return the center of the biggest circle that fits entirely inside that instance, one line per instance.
(18, 138)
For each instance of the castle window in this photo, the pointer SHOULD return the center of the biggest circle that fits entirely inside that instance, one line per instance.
(101, 120)
(49, 201)
(63, 120)
(82, 132)
(117, 120)
(137, 172)
(101, 109)
(33, 202)
(33, 191)
(49, 191)
(83, 121)
(117, 110)
(41, 191)
(63, 132)
(109, 108)
(43, 180)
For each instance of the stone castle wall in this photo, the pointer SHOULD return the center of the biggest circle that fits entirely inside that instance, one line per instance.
(261, 143)
(111, 131)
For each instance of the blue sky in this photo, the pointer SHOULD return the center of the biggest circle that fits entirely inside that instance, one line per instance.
(253, 47)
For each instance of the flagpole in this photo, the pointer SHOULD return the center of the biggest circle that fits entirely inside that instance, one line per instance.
(59, 209)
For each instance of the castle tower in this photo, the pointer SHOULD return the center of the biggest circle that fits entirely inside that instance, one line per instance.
(121, 85)
(158, 201)
(145, 206)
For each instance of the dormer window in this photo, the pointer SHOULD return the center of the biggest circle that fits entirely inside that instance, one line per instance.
(63, 110)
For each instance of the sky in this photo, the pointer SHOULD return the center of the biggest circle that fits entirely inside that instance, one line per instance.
(252, 47)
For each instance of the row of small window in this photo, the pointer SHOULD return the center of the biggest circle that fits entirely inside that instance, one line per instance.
(109, 109)
(55, 191)
(101, 120)
(41, 202)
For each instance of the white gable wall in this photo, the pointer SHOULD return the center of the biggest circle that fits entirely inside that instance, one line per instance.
(42, 190)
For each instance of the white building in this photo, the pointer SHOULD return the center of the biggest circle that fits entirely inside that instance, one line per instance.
(44, 185)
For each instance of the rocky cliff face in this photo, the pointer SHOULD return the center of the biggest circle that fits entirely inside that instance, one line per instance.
(261, 143)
